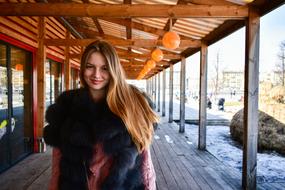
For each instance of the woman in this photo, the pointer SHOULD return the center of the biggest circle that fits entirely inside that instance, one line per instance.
(101, 133)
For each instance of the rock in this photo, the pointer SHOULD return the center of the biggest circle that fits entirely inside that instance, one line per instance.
(271, 132)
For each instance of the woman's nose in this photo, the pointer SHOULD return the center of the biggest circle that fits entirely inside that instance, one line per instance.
(97, 73)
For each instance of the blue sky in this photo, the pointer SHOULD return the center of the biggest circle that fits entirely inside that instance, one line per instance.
(231, 48)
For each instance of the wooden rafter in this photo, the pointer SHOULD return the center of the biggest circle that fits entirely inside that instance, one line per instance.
(119, 42)
(122, 10)
(132, 55)
(209, 2)
(95, 20)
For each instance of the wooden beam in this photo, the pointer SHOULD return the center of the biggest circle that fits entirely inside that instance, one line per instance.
(170, 114)
(119, 42)
(250, 134)
(209, 2)
(182, 96)
(267, 6)
(203, 98)
(67, 71)
(163, 92)
(41, 56)
(132, 55)
(122, 10)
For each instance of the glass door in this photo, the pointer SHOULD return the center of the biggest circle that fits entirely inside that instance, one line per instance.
(4, 150)
(16, 108)
(21, 120)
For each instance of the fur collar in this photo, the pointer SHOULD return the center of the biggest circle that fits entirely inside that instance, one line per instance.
(76, 123)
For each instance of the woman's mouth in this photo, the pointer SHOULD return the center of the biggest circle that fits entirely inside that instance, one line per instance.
(96, 81)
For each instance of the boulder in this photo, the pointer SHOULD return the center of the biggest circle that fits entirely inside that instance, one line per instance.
(271, 132)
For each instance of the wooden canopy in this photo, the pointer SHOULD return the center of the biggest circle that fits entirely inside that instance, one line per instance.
(136, 27)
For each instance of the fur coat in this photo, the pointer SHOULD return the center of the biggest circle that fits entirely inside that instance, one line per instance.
(75, 124)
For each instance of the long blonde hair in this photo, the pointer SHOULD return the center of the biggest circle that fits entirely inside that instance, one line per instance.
(124, 100)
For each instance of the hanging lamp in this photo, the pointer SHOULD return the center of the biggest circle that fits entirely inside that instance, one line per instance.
(171, 39)
(150, 64)
(157, 55)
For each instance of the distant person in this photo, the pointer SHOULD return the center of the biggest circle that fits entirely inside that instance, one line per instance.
(209, 103)
(221, 103)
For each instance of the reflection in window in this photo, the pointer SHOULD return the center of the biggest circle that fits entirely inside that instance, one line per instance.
(3, 79)
(53, 81)
(75, 81)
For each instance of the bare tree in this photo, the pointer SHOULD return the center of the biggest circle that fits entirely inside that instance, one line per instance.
(216, 80)
(280, 66)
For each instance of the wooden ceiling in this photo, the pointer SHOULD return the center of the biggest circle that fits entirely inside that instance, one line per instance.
(136, 27)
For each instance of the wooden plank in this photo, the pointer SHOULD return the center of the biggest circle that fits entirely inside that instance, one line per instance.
(54, 53)
(182, 95)
(42, 181)
(160, 178)
(26, 172)
(16, 27)
(207, 165)
(172, 160)
(30, 21)
(122, 10)
(144, 43)
(41, 57)
(166, 166)
(58, 25)
(203, 98)
(24, 23)
(52, 28)
(191, 165)
(5, 30)
(176, 158)
(251, 100)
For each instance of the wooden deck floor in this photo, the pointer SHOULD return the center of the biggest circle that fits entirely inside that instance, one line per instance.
(179, 165)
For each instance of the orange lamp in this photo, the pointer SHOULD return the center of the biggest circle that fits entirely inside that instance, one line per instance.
(151, 64)
(157, 55)
(171, 40)
(19, 67)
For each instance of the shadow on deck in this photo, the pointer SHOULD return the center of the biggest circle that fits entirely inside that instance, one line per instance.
(178, 164)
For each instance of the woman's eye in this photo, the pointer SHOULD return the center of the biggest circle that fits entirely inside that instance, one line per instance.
(105, 68)
(89, 66)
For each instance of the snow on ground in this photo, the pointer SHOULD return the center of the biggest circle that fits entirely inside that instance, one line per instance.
(270, 166)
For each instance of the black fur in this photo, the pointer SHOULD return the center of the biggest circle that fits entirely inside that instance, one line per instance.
(76, 123)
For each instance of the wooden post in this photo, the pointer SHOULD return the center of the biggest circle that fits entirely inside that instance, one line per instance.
(170, 93)
(151, 88)
(67, 64)
(251, 100)
(155, 87)
(146, 82)
(158, 94)
(182, 96)
(203, 98)
(163, 92)
(41, 57)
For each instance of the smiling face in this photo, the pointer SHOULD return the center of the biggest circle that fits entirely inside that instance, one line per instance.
(96, 73)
